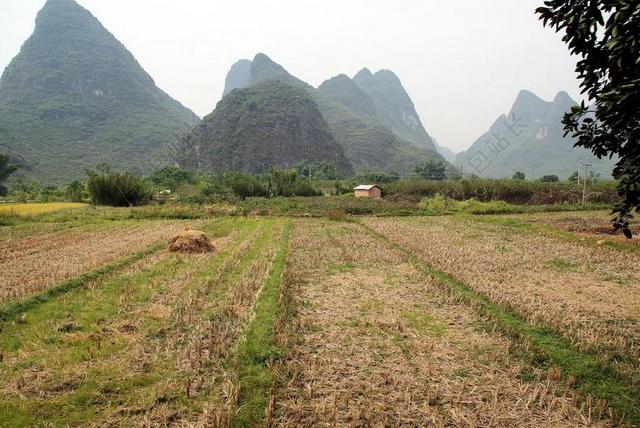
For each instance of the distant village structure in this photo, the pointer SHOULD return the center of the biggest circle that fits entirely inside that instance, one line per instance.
(368, 191)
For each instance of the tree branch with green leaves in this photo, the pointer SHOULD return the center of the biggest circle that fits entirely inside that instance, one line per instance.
(605, 35)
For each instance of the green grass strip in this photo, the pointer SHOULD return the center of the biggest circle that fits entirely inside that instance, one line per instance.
(259, 347)
(592, 377)
(14, 308)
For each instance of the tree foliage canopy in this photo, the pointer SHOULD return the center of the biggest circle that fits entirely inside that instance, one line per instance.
(432, 170)
(6, 169)
(552, 178)
(605, 34)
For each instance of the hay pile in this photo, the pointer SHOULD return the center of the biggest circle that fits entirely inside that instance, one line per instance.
(190, 242)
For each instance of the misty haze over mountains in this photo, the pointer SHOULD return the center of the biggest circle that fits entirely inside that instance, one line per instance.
(530, 139)
(75, 97)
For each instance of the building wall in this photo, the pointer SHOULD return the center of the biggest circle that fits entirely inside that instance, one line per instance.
(373, 193)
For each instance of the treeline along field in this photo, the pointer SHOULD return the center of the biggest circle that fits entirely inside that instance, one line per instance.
(308, 180)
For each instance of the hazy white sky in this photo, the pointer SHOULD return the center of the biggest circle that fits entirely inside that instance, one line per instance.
(462, 61)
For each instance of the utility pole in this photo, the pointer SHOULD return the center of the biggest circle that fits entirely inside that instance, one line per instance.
(584, 183)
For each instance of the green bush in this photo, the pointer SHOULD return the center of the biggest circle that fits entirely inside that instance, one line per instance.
(432, 170)
(24, 191)
(6, 169)
(171, 177)
(243, 185)
(118, 189)
(475, 207)
(438, 204)
(322, 170)
(519, 175)
(549, 179)
(76, 191)
(289, 183)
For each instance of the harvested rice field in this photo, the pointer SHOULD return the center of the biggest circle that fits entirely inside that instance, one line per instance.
(376, 342)
(276, 321)
(590, 294)
(592, 226)
(35, 263)
(25, 210)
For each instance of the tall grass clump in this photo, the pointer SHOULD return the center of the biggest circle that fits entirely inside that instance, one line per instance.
(440, 204)
(437, 204)
(118, 189)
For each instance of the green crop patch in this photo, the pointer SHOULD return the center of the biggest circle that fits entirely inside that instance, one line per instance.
(259, 349)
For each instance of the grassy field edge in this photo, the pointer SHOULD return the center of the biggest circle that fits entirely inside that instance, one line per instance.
(17, 307)
(583, 371)
(259, 347)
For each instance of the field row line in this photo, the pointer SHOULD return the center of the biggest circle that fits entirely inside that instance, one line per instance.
(214, 316)
(259, 346)
(17, 307)
(539, 345)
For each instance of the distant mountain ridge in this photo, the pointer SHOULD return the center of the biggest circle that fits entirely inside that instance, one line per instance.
(530, 139)
(446, 152)
(238, 77)
(393, 105)
(344, 90)
(270, 124)
(362, 129)
(75, 96)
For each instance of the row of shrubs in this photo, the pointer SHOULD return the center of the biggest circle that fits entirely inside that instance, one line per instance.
(510, 191)
(318, 206)
(121, 189)
(105, 187)
(349, 205)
